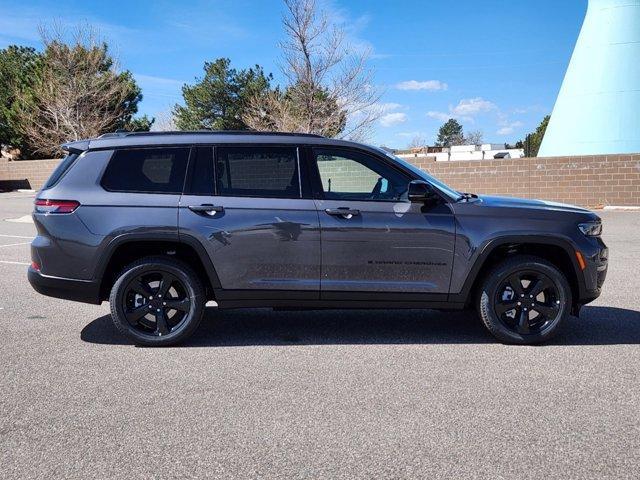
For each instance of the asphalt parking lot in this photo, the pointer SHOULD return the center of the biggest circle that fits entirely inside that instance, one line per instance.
(333, 394)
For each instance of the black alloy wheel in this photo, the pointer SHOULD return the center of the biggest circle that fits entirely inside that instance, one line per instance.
(157, 301)
(524, 299)
(527, 302)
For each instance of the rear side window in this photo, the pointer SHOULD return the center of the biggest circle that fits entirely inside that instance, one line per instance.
(60, 170)
(147, 170)
(257, 172)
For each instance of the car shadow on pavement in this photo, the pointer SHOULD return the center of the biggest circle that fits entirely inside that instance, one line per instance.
(596, 326)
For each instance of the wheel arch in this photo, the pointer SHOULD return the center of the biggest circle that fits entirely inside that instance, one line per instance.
(129, 247)
(557, 250)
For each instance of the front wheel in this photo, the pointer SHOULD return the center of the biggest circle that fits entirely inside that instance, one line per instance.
(524, 300)
(157, 301)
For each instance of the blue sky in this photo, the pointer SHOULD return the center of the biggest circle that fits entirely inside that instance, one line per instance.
(495, 65)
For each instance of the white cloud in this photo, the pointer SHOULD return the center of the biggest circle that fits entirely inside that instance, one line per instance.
(473, 106)
(431, 85)
(442, 116)
(509, 128)
(387, 107)
(465, 110)
(391, 119)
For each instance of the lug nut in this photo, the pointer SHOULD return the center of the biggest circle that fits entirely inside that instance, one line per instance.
(164, 303)
(530, 296)
(519, 303)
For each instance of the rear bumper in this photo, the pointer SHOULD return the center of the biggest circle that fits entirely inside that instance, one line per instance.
(85, 291)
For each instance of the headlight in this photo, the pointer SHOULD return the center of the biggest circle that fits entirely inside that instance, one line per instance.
(591, 229)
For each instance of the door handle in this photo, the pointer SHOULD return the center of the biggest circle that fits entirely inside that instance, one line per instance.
(207, 208)
(342, 212)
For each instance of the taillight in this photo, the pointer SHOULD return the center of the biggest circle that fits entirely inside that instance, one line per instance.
(55, 206)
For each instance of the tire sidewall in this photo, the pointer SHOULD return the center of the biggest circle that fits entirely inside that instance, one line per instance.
(493, 282)
(192, 286)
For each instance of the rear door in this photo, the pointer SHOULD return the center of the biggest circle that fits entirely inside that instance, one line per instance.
(373, 239)
(245, 204)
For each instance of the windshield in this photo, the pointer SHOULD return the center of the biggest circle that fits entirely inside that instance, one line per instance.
(444, 188)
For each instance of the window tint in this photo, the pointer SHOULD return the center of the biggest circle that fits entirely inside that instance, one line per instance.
(257, 172)
(357, 176)
(60, 170)
(202, 172)
(150, 170)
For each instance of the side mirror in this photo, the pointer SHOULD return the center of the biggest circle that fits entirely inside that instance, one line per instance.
(421, 192)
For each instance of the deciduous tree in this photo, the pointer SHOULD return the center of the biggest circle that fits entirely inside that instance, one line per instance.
(329, 88)
(78, 92)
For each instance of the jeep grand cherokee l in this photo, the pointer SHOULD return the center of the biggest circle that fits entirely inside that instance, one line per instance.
(161, 223)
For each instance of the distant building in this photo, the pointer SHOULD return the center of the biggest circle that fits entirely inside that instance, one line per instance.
(486, 151)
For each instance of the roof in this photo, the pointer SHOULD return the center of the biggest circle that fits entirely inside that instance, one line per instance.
(128, 139)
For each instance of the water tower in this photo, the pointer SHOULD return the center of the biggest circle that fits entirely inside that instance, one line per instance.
(598, 107)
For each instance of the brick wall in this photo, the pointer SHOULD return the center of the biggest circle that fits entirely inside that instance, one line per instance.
(590, 181)
(36, 172)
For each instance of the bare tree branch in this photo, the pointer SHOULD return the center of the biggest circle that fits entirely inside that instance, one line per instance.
(330, 89)
(79, 92)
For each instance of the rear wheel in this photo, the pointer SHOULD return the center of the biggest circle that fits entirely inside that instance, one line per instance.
(524, 300)
(157, 301)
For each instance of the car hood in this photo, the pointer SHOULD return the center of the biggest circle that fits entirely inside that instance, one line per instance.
(511, 202)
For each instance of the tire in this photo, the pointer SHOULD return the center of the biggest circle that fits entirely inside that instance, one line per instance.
(167, 296)
(536, 316)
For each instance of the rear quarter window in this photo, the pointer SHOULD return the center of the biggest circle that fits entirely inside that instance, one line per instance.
(62, 168)
(147, 170)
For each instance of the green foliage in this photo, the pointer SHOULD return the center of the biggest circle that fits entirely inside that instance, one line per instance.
(533, 141)
(217, 101)
(18, 69)
(140, 124)
(450, 134)
(129, 107)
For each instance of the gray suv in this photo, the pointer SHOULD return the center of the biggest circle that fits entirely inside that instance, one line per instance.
(161, 223)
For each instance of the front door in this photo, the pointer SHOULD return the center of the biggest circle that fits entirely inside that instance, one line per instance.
(373, 239)
(261, 235)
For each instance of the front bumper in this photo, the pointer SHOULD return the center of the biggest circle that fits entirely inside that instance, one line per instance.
(595, 273)
(85, 291)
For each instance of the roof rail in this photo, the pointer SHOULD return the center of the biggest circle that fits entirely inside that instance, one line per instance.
(119, 133)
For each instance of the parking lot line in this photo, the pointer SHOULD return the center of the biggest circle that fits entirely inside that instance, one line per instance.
(15, 244)
(16, 236)
(9, 262)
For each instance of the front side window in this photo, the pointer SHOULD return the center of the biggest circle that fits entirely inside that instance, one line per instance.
(147, 170)
(257, 172)
(357, 176)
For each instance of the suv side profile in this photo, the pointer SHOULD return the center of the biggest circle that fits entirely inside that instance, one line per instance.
(161, 223)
